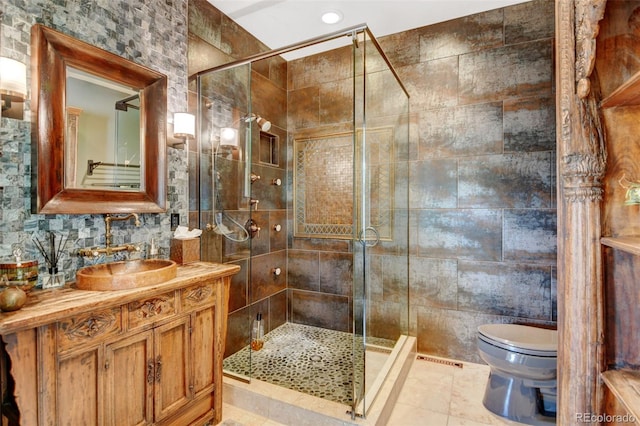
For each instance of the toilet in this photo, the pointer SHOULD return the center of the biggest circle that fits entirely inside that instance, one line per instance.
(522, 381)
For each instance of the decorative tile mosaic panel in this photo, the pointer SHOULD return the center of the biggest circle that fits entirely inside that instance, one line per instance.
(324, 184)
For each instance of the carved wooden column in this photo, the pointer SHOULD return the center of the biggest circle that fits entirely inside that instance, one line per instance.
(581, 167)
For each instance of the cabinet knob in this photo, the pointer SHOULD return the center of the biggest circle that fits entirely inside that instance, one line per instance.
(277, 182)
(277, 228)
(276, 271)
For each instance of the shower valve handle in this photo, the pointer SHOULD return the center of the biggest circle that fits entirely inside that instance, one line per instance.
(252, 228)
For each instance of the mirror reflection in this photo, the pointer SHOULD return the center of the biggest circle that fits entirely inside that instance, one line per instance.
(103, 149)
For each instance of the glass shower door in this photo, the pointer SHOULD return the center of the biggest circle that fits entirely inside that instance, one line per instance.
(380, 284)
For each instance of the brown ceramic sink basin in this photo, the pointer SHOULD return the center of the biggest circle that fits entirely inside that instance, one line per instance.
(125, 275)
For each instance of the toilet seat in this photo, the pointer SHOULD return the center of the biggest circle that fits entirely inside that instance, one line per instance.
(521, 338)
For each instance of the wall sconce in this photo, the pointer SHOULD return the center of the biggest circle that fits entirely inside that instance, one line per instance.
(184, 126)
(13, 82)
(228, 136)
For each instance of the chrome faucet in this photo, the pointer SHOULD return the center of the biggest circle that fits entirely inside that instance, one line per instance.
(108, 250)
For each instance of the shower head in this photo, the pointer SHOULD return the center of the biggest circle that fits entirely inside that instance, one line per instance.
(264, 124)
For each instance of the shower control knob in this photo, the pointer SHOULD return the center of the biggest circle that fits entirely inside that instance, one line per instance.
(277, 182)
(276, 271)
(277, 228)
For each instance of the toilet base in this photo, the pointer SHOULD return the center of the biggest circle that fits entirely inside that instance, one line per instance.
(509, 397)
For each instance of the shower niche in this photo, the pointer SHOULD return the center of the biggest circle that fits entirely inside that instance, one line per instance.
(268, 149)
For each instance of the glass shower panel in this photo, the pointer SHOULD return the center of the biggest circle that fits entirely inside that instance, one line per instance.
(225, 159)
(361, 198)
(381, 248)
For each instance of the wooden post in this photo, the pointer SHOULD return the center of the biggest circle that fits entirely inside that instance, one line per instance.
(581, 167)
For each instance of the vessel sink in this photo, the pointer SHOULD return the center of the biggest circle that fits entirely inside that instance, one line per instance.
(125, 275)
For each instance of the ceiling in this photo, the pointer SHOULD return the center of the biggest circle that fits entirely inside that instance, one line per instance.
(279, 23)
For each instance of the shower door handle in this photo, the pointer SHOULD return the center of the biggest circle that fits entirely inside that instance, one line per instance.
(362, 237)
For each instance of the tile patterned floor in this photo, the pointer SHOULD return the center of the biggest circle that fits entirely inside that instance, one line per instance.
(434, 394)
(312, 360)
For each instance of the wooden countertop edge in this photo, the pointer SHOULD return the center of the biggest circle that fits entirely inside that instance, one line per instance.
(47, 306)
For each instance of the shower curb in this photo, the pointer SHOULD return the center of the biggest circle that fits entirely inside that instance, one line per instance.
(293, 408)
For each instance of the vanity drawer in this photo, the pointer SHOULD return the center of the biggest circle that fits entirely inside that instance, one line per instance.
(88, 328)
(198, 295)
(147, 311)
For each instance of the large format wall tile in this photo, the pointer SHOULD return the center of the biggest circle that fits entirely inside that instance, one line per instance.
(432, 84)
(530, 124)
(458, 36)
(387, 320)
(433, 184)
(519, 70)
(464, 234)
(304, 270)
(508, 181)
(403, 48)
(336, 273)
(461, 131)
(450, 333)
(505, 289)
(320, 310)
(434, 282)
(318, 69)
(264, 282)
(530, 236)
(529, 21)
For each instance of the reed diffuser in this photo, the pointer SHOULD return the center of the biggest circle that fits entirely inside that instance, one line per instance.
(52, 255)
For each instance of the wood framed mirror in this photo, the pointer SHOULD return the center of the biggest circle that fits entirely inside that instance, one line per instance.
(53, 56)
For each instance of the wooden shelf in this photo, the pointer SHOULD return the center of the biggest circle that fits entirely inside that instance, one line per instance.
(625, 95)
(628, 244)
(625, 385)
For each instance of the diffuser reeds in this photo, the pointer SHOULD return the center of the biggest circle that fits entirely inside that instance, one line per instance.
(54, 252)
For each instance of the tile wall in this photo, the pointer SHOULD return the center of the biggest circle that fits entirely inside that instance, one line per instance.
(154, 36)
(482, 185)
(481, 178)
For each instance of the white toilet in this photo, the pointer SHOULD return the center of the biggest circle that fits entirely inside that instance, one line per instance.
(522, 383)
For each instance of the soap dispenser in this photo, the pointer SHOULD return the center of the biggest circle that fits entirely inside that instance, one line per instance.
(257, 333)
(153, 250)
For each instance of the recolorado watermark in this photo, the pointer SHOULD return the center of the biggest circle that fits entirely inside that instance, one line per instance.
(605, 418)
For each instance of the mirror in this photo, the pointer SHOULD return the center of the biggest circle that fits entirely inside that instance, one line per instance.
(102, 139)
(65, 152)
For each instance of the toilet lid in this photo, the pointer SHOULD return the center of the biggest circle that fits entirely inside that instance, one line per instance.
(522, 336)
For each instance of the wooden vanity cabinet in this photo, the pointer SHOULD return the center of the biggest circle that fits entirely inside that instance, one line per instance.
(154, 360)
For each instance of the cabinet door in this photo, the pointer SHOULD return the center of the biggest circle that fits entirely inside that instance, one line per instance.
(173, 371)
(79, 395)
(202, 343)
(130, 377)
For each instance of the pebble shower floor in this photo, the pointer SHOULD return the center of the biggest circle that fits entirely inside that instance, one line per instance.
(312, 360)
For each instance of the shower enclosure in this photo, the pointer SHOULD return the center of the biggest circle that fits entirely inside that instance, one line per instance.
(303, 182)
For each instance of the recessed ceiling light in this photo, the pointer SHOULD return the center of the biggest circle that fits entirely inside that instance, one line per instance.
(332, 17)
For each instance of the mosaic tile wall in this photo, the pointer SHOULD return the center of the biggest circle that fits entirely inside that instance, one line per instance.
(151, 34)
